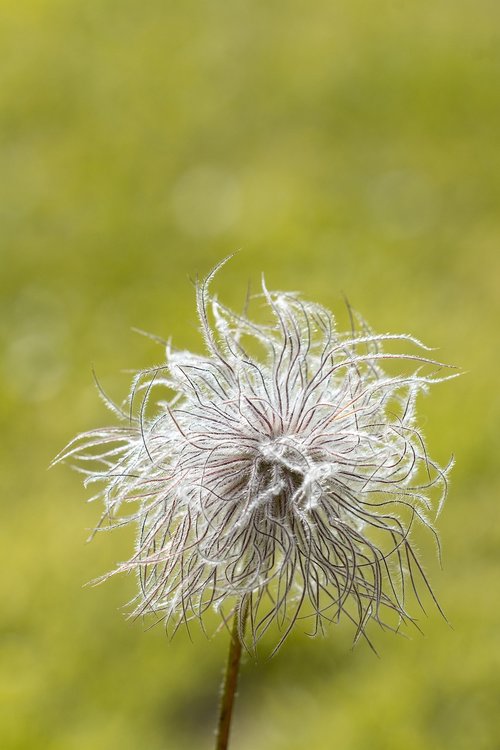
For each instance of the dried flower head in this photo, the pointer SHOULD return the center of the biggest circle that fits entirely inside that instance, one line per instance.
(279, 475)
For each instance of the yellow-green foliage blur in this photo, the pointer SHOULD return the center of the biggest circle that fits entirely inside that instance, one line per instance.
(346, 147)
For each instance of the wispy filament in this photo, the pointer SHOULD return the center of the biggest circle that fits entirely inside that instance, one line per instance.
(282, 472)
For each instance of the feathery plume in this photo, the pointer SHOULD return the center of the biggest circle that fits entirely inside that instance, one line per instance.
(279, 475)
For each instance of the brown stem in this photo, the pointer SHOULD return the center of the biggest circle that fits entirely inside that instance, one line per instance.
(230, 684)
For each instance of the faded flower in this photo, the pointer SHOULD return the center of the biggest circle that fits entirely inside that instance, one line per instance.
(279, 475)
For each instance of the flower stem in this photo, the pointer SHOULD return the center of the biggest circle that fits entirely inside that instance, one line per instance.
(230, 683)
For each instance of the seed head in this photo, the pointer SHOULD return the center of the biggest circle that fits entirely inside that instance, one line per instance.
(281, 474)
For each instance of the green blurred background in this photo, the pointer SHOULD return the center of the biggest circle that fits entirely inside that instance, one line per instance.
(345, 147)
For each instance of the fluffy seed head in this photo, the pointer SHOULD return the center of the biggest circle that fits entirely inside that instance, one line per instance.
(279, 475)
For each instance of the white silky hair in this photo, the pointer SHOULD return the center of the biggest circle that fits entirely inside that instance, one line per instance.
(283, 484)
